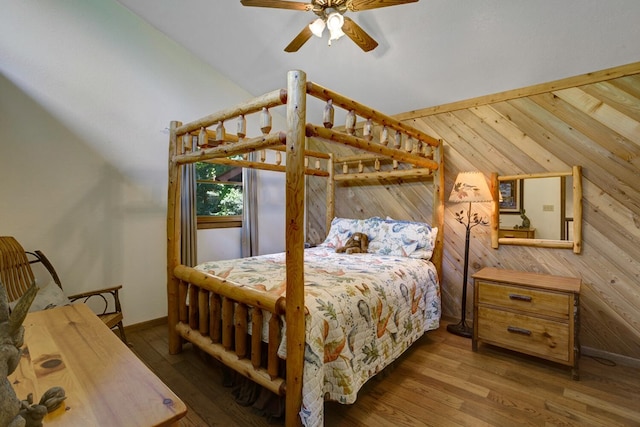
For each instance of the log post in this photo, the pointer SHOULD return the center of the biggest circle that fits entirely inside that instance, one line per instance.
(331, 195)
(494, 187)
(296, 118)
(215, 319)
(173, 241)
(438, 207)
(241, 330)
(577, 209)
(256, 337)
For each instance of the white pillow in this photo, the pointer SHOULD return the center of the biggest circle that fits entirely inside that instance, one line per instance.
(48, 296)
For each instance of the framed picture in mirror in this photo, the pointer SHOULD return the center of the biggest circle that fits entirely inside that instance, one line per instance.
(511, 196)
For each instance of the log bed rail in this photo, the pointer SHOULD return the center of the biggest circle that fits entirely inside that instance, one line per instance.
(212, 312)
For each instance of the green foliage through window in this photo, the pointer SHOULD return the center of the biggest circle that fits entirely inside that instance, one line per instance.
(218, 190)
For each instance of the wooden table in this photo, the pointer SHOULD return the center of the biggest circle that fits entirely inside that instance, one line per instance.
(105, 383)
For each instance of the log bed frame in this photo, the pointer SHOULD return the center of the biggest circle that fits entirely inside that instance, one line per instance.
(215, 320)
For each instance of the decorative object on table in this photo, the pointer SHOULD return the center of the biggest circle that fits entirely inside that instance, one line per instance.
(13, 412)
(526, 222)
(470, 187)
(357, 243)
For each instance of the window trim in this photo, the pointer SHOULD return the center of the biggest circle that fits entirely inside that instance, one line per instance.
(206, 222)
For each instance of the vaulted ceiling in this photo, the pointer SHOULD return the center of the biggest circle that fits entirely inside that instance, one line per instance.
(430, 52)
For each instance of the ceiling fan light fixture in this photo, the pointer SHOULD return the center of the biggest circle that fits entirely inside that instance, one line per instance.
(317, 27)
(335, 21)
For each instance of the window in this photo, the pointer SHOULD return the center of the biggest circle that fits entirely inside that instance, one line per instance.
(218, 195)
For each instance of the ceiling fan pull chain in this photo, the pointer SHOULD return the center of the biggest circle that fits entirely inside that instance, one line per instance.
(351, 122)
(327, 114)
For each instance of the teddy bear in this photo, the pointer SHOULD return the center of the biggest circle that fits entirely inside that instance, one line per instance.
(357, 243)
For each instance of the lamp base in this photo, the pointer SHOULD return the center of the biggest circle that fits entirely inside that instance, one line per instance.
(461, 329)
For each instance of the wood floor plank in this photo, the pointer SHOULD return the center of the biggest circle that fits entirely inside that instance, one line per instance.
(438, 382)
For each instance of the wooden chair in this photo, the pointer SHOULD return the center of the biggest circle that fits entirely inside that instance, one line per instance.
(17, 276)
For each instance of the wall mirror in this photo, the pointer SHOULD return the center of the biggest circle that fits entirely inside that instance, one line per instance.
(540, 209)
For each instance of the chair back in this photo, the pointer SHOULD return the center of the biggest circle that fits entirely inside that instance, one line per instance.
(15, 271)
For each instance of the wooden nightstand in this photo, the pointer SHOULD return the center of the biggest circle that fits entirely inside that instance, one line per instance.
(519, 233)
(535, 314)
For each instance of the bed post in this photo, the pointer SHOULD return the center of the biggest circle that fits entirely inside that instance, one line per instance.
(331, 195)
(173, 241)
(294, 316)
(438, 207)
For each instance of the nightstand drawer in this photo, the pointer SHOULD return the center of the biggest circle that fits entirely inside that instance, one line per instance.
(530, 335)
(528, 300)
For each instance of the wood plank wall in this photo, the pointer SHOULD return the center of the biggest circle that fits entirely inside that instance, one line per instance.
(591, 120)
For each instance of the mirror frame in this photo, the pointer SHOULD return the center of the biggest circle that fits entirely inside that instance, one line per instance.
(575, 244)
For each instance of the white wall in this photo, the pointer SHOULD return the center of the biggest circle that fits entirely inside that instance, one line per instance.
(86, 92)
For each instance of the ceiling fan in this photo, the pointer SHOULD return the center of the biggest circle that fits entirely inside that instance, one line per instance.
(330, 15)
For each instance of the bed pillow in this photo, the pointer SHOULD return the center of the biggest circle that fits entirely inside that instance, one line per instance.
(48, 296)
(342, 228)
(404, 238)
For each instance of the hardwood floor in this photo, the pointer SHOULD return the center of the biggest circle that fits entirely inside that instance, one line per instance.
(439, 381)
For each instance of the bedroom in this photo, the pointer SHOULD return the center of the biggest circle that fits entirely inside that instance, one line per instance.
(111, 221)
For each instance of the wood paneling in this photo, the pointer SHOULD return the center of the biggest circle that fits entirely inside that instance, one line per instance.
(592, 121)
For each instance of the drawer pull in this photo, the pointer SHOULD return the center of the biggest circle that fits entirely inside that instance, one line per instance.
(516, 330)
(520, 297)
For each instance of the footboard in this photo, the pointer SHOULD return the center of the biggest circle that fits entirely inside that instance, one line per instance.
(227, 321)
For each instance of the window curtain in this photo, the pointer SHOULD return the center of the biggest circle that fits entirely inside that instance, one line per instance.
(250, 210)
(188, 217)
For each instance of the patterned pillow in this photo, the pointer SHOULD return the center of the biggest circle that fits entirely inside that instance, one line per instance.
(404, 238)
(342, 228)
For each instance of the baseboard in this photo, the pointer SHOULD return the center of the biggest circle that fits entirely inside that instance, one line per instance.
(147, 324)
(614, 357)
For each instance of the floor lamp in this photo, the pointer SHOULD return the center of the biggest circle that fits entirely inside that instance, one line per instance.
(470, 187)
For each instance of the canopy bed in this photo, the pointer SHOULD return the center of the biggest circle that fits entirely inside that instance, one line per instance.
(356, 312)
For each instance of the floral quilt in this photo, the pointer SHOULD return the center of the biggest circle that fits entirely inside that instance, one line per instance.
(364, 310)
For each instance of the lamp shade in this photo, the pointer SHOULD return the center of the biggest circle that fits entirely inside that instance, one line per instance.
(470, 187)
(317, 27)
(335, 21)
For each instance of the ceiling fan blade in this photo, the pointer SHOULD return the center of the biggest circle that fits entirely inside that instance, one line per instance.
(358, 35)
(299, 40)
(358, 5)
(278, 4)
